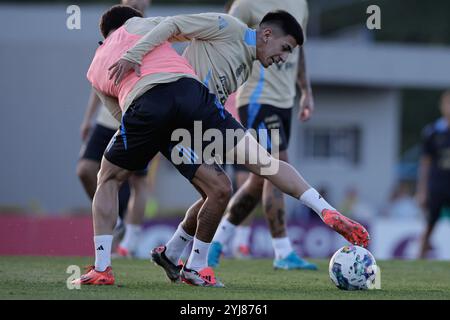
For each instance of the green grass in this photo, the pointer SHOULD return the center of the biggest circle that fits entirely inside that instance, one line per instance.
(45, 278)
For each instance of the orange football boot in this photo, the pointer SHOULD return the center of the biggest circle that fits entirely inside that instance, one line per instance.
(352, 231)
(95, 277)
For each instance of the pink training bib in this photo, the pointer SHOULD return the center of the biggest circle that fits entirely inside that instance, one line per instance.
(163, 59)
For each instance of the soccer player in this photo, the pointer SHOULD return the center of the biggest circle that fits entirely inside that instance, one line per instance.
(163, 94)
(433, 184)
(266, 101)
(211, 35)
(95, 141)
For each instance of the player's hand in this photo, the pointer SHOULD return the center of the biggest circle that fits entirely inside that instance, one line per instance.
(121, 68)
(85, 128)
(306, 106)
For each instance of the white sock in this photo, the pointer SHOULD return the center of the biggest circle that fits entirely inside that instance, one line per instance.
(131, 237)
(118, 222)
(314, 200)
(103, 245)
(282, 247)
(198, 259)
(224, 232)
(176, 244)
(242, 236)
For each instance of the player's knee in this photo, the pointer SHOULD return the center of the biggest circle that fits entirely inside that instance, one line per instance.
(111, 173)
(86, 171)
(221, 191)
(256, 183)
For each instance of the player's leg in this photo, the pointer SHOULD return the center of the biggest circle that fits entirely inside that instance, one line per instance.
(135, 214)
(240, 245)
(289, 181)
(89, 164)
(169, 255)
(241, 205)
(259, 118)
(198, 226)
(435, 203)
(143, 126)
(105, 207)
(274, 211)
(87, 170)
(273, 199)
(241, 242)
(142, 185)
(214, 182)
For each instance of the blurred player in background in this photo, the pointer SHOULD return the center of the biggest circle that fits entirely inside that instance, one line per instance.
(266, 101)
(433, 185)
(240, 247)
(95, 141)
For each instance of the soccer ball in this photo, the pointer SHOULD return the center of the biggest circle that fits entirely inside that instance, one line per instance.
(353, 268)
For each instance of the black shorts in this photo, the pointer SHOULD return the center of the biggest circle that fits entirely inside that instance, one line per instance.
(435, 204)
(148, 124)
(264, 116)
(97, 143)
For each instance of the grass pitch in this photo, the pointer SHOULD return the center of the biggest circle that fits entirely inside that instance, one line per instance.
(45, 278)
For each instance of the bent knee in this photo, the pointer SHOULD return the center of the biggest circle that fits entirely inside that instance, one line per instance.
(109, 171)
(221, 190)
(87, 169)
(255, 182)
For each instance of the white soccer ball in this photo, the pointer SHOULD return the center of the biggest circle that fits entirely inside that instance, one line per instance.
(353, 268)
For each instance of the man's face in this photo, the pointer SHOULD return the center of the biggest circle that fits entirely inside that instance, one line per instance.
(445, 105)
(140, 5)
(275, 47)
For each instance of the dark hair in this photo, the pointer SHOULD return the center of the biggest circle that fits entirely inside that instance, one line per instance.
(286, 22)
(115, 17)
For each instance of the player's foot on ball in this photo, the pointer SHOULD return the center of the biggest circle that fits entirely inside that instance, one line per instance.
(352, 231)
(159, 258)
(203, 278)
(94, 277)
(215, 250)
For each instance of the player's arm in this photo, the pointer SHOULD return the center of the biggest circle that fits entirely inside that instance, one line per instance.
(91, 110)
(205, 26)
(112, 104)
(306, 101)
